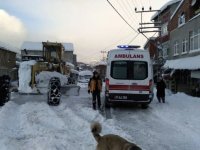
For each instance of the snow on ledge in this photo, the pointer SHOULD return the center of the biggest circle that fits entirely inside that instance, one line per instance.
(191, 63)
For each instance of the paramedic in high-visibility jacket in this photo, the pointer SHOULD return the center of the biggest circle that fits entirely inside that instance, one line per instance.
(95, 87)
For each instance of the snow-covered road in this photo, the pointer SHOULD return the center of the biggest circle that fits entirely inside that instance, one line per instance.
(27, 122)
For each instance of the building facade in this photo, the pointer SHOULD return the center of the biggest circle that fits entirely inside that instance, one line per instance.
(159, 47)
(185, 47)
(8, 63)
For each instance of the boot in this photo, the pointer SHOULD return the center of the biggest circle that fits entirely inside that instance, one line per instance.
(94, 105)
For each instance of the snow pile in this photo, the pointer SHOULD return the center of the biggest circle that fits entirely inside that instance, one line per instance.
(191, 63)
(25, 76)
(70, 65)
(36, 125)
(42, 79)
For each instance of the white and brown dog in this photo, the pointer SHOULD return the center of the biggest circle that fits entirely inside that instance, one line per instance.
(110, 141)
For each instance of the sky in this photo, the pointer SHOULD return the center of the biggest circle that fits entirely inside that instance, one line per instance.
(91, 25)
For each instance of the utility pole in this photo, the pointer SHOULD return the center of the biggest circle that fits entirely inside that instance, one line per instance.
(144, 27)
(149, 27)
(103, 52)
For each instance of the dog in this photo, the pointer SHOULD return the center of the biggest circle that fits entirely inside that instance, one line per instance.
(110, 141)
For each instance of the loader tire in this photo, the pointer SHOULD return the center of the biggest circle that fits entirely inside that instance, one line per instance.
(54, 93)
(4, 89)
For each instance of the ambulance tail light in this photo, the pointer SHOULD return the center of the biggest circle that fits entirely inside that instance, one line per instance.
(107, 84)
(151, 86)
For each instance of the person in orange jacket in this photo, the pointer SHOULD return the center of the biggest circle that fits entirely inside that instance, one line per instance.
(95, 87)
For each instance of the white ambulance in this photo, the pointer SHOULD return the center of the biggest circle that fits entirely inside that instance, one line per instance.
(129, 76)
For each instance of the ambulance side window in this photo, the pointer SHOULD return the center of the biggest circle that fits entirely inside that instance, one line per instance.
(119, 70)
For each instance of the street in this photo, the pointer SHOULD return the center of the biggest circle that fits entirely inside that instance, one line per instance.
(28, 122)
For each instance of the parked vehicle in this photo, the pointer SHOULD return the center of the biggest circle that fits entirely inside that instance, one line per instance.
(129, 76)
(84, 76)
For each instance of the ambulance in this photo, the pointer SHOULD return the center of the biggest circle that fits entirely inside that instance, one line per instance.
(129, 76)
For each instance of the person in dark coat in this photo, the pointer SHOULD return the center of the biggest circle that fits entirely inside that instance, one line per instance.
(95, 87)
(161, 90)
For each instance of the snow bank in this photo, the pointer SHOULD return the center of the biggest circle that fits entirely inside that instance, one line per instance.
(43, 78)
(36, 125)
(25, 76)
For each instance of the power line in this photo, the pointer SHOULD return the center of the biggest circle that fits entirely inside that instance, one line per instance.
(125, 10)
(133, 38)
(130, 14)
(136, 3)
(104, 49)
(122, 17)
(129, 4)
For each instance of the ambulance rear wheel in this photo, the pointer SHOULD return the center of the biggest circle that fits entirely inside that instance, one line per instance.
(144, 106)
(107, 104)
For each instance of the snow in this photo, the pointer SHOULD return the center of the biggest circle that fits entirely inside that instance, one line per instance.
(25, 76)
(180, 4)
(28, 122)
(8, 47)
(42, 79)
(28, 45)
(85, 72)
(104, 63)
(164, 7)
(70, 65)
(84, 76)
(184, 63)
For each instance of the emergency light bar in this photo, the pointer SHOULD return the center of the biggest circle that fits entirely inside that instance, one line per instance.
(128, 46)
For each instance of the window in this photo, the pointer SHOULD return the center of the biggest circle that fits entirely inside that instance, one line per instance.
(119, 70)
(176, 48)
(129, 70)
(195, 40)
(184, 46)
(181, 19)
(139, 70)
(164, 29)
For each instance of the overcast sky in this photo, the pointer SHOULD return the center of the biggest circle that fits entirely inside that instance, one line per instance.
(91, 25)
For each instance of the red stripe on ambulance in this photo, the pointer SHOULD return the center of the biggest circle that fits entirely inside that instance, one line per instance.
(130, 87)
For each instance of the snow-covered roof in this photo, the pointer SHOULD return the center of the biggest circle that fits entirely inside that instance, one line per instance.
(8, 47)
(191, 63)
(28, 45)
(32, 46)
(177, 9)
(164, 7)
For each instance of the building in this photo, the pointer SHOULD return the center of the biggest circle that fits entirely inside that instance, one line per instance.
(179, 40)
(159, 46)
(34, 50)
(184, 54)
(8, 61)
